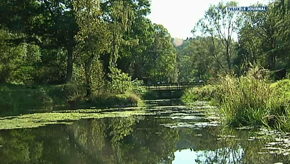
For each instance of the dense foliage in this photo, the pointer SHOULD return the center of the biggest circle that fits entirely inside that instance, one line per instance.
(116, 34)
(233, 42)
(84, 42)
(246, 94)
(91, 48)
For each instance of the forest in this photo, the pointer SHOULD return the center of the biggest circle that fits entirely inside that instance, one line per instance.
(59, 53)
(75, 50)
(229, 42)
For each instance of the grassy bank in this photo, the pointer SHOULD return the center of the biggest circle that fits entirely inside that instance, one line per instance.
(20, 99)
(248, 100)
(107, 101)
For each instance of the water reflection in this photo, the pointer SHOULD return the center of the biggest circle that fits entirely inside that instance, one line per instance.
(190, 156)
(133, 140)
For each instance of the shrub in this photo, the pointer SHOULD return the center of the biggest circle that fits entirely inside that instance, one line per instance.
(205, 93)
(150, 95)
(57, 94)
(122, 83)
(120, 100)
(73, 91)
(138, 87)
(17, 101)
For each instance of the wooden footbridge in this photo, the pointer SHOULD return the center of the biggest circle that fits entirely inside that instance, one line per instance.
(173, 86)
(171, 90)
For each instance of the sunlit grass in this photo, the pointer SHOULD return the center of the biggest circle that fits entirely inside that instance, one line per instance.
(249, 100)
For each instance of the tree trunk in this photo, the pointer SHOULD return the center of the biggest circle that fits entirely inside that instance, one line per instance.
(272, 61)
(228, 55)
(272, 55)
(69, 64)
(212, 50)
(88, 67)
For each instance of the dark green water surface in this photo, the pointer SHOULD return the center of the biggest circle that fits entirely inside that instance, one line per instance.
(177, 135)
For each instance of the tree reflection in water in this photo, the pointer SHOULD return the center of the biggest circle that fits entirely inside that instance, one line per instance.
(130, 140)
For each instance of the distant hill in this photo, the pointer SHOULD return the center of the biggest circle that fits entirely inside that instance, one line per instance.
(177, 42)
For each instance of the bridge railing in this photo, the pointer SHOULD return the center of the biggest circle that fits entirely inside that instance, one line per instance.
(173, 86)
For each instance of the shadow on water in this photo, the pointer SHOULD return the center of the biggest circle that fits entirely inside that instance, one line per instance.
(171, 135)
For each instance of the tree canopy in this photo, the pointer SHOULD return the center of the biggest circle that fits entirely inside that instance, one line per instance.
(91, 43)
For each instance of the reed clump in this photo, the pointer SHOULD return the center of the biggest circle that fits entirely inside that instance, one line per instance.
(251, 99)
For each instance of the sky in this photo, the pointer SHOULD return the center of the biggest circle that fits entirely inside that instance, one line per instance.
(180, 16)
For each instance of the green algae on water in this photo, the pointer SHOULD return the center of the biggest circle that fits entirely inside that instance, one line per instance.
(42, 119)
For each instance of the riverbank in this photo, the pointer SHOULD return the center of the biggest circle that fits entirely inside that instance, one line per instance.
(250, 100)
(21, 99)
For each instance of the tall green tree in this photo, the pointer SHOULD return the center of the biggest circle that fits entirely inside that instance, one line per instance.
(264, 37)
(221, 23)
(47, 23)
(16, 60)
(93, 37)
(134, 56)
(103, 25)
(162, 57)
(197, 60)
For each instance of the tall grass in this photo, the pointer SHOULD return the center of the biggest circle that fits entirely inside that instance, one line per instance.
(244, 100)
(249, 100)
(252, 100)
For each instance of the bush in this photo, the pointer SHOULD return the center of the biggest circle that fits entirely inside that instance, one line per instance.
(72, 91)
(205, 93)
(150, 95)
(120, 100)
(122, 83)
(138, 87)
(282, 86)
(19, 101)
(58, 94)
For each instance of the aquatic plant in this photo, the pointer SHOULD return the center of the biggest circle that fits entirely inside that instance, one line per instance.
(253, 100)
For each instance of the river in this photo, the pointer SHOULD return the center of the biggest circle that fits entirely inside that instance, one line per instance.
(156, 135)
